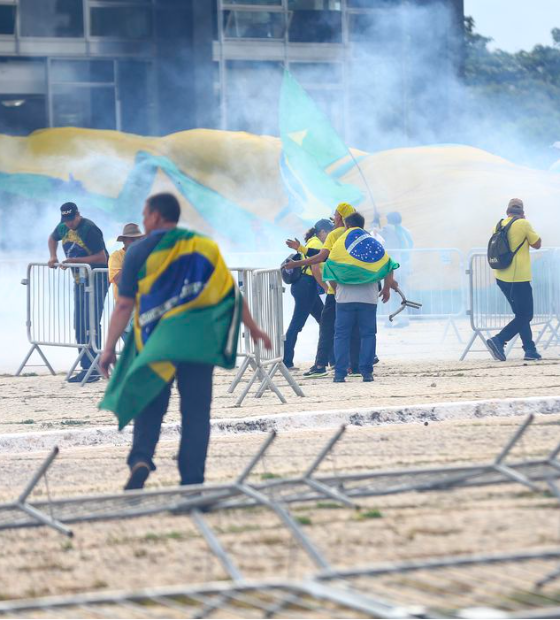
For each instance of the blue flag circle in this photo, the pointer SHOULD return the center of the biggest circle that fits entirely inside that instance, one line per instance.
(367, 250)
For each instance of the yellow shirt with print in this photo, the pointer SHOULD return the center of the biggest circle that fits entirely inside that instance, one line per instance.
(521, 232)
(313, 244)
(331, 239)
(116, 261)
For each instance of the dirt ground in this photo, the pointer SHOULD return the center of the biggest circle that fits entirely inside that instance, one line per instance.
(168, 550)
(40, 403)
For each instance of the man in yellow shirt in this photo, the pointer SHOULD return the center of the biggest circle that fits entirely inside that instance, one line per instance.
(326, 325)
(515, 284)
(130, 234)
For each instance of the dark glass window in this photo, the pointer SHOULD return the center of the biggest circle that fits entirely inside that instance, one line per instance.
(84, 106)
(7, 19)
(255, 2)
(82, 71)
(372, 4)
(315, 22)
(253, 25)
(121, 22)
(22, 114)
(51, 18)
(134, 93)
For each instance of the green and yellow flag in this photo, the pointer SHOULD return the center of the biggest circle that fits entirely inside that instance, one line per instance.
(188, 309)
(357, 258)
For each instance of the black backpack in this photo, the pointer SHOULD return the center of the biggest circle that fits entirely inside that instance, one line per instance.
(500, 255)
(291, 275)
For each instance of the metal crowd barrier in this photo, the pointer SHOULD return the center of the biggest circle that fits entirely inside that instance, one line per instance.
(263, 290)
(59, 308)
(490, 311)
(73, 307)
(103, 291)
(435, 279)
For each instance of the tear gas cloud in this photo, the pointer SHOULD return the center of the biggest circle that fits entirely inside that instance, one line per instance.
(398, 95)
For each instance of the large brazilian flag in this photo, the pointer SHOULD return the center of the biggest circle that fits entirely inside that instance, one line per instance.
(357, 258)
(188, 309)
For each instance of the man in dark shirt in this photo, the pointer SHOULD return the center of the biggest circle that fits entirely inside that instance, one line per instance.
(82, 242)
(194, 380)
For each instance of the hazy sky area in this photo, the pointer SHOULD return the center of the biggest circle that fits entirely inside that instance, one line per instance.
(515, 24)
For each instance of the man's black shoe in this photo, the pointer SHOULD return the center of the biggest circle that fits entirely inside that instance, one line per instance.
(367, 378)
(532, 356)
(93, 378)
(375, 360)
(138, 476)
(496, 349)
(339, 379)
(78, 378)
(315, 372)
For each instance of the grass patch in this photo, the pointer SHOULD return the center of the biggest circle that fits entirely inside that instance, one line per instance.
(370, 514)
(28, 421)
(269, 476)
(73, 423)
(29, 374)
(328, 506)
(173, 535)
(304, 520)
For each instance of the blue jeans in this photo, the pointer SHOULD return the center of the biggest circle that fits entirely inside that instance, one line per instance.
(308, 302)
(195, 389)
(520, 298)
(365, 315)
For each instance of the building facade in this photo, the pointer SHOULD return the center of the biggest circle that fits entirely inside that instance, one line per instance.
(157, 66)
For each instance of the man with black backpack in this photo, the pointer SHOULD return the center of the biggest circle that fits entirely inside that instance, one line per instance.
(508, 254)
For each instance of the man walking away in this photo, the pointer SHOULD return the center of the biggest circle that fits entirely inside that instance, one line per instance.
(356, 264)
(186, 321)
(515, 284)
(82, 242)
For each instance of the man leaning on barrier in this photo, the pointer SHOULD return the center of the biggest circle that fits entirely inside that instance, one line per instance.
(515, 283)
(82, 242)
(186, 321)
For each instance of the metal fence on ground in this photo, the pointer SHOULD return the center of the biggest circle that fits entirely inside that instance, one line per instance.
(488, 308)
(443, 582)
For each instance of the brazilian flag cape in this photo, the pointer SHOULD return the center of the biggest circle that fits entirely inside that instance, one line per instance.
(357, 258)
(188, 309)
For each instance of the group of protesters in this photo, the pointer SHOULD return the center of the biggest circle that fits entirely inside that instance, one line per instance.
(353, 269)
(173, 286)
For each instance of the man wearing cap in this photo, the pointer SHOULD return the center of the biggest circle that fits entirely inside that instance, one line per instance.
(305, 290)
(131, 233)
(82, 242)
(326, 326)
(515, 284)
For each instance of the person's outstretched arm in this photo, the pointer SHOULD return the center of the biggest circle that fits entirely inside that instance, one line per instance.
(255, 331)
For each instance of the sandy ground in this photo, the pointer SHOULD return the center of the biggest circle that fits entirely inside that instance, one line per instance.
(48, 403)
(168, 550)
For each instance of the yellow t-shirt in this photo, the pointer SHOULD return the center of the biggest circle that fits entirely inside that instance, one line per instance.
(521, 231)
(313, 244)
(116, 261)
(331, 239)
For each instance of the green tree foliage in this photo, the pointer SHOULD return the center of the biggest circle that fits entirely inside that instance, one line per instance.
(518, 94)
